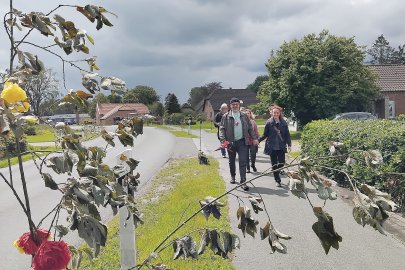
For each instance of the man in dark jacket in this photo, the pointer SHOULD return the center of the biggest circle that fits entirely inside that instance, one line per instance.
(235, 128)
(218, 117)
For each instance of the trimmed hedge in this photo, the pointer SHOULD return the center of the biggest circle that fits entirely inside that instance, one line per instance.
(388, 136)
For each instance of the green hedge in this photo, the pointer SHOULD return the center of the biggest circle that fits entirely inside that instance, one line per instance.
(388, 136)
(8, 144)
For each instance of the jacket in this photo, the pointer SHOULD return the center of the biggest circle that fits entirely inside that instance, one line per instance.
(217, 122)
(270, 132)
(226, 129)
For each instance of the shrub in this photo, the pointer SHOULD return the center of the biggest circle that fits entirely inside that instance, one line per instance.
(30, 130)
(387, 136)
(8, 144)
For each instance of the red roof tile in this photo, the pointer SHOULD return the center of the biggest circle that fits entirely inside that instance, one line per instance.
(390, 77)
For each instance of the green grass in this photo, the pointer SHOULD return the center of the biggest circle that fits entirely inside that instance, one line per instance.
(184, 134)
(26, 157)
(173, 197)
(43, 135)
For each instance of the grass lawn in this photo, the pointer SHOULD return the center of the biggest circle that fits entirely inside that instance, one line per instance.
(173, 196)
(14, 160)
(46, 133)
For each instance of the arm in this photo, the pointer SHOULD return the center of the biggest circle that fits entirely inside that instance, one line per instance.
(222, 129)
(265, 132)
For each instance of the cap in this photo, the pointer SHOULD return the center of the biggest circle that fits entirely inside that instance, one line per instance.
(233, 100)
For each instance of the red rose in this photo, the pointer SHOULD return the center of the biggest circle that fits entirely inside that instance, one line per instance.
(25, 243)
(51, 255)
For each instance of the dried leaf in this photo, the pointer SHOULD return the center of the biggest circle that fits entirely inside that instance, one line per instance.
(185, 247)
(325, 230)
(274, 238)
(246, 223)
(254, 201)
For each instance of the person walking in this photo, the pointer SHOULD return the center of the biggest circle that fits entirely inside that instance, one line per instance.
(235, 128)
(278, 140)
(218, 117)
(252, 149)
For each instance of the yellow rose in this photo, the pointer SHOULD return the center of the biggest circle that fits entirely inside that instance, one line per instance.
(21, 107)
(13, 93)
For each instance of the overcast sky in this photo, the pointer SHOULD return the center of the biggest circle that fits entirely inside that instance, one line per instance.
(175, 45)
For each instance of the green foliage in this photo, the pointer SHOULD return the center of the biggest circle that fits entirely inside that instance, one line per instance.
(198, 93)
(172, 104)
(30, 130)
(156, 109)
(257, 84)
(99, 98)
(8, 144)
(382, 53)
(317, 77)
(141, 94)
(387, 136)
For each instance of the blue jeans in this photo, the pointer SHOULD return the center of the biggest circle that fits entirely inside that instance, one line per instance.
(223, 152)
(242, 149)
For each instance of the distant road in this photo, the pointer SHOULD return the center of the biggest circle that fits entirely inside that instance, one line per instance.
(153, 148)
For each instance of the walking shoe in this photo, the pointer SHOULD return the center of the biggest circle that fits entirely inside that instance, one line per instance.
(254, 168)
(224, 156)
(279, 184)
(247, 171)
(233, 180)
(245, 187)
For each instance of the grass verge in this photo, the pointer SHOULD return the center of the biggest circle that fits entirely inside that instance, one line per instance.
(172, 197)
(26, 157)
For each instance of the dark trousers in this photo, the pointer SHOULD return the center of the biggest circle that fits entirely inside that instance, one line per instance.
(242, 149)
(252, 151)
(277, 158)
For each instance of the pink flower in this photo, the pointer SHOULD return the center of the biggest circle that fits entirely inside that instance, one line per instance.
(25, 244)
(52, 255)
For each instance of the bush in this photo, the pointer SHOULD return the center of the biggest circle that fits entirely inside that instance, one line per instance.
(30, 130)
(387, 136)
(8, 144)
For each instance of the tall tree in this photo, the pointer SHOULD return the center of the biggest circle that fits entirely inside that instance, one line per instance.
(255, 86)
(141, 94)
(114, 98)
(318, 76)
(40, 89)
(172, 104)
(381, 52)
(156, 109)
(198, 93)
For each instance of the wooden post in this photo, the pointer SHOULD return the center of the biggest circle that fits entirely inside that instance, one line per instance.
(127, 227)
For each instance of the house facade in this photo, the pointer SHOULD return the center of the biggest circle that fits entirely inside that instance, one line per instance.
(210, 105)
(391, 81)
(110, 113)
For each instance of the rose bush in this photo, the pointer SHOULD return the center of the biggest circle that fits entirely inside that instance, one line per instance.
(52, 255)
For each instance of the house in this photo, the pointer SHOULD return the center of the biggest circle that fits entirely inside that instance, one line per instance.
(110, 113)
(186, 108)
(210, 105)
(391, 81)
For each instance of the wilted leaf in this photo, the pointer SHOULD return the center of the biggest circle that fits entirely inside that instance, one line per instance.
(325, 230)
(246, 223)
(125, 138)
(90, 83)
(109, 137)
(49, 182)
(211, 208)
(373, 158)
(297, 187)
(92, 231)
(274, 236)
(185, 247)
(62, 230)
(255, 201)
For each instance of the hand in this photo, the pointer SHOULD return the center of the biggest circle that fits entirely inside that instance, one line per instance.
(255, 142)
(289, 149)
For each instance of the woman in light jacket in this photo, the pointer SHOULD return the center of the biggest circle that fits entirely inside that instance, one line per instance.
(278, 140)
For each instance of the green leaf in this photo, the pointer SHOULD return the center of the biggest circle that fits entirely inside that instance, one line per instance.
(125, 138)
(90, 38)
(49, 182)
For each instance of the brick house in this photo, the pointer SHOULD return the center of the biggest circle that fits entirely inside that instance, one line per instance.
(210, 105)
(110, 113)
(391, 81)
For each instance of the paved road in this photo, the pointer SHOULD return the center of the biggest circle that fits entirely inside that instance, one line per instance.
(362, 248)
(154, 148)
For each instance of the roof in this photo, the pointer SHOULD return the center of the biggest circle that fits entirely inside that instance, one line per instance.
(219, 96)
(390, 77)
(108, 109)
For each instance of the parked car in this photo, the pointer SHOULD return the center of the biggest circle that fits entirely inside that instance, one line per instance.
(354, 116)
